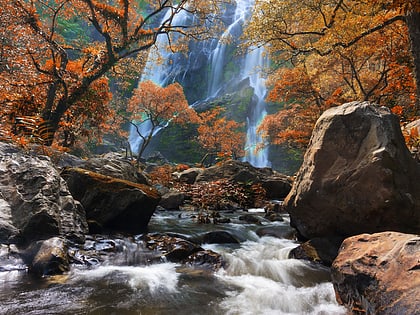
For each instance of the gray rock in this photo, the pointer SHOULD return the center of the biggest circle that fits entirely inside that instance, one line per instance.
(35, 202)
(172, 200)
(357, 176)
(113, 165)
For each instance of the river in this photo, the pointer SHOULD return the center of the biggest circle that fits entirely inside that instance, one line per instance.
(258, 278)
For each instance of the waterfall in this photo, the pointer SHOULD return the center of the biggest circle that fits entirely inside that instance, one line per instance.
(212, 58)
(256, 150)
(159, 74)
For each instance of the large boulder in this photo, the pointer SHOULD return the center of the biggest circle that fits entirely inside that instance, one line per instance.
(275, 184)
(379, 274)
(35, 202)
(357, 176)
(111, 203)
(113, 165)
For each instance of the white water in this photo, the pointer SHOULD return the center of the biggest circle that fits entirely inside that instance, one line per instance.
(256, 150)
(158, 70)
(258, 279)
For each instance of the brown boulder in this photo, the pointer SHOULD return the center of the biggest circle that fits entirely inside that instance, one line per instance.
(357, 176)
(47, 257)
(379, 274)
(112, 203)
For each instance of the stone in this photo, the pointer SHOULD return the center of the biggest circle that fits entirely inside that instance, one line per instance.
(318, 250)
(249, 218)
(205, 259)
(357, 176)
(113, 165)
(115, 204)
(219, 237)
(172, 200)
(173, 248)
(379, 274)
(35, 202)
(279, 231)
(47, 257)
(188, 176)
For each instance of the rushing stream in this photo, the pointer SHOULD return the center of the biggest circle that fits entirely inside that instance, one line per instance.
(258, 279)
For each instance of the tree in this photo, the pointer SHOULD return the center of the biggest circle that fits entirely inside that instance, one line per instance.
(152, 107)
(55, 77)
(220, 137)
(336, 51)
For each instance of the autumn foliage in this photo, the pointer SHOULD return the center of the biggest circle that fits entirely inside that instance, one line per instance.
(64, 79)
(152, 107)
(220, 137)
(326, 53)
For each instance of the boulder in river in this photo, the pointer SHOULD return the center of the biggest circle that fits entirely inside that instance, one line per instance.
(115, 204)
(357, 176)
(47, 257)
(35, 202)
(379, 274)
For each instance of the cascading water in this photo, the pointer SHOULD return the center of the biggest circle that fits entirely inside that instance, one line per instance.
(258, 277)
(158, 72)
(256, 150)
(216, 55)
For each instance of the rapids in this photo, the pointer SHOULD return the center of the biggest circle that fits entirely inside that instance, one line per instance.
(258, 278)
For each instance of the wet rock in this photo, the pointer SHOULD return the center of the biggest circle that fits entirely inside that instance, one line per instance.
(35, 202)
(47, 257)
(219, 237)
(357, 176)
(174, 249)
(113, 203)
(379, 274)
(249, 218)
(286, 232)
(205, 259)
(172, 200)
(318, 250)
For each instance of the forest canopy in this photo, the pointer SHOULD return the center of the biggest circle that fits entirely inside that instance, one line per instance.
(57, 58)
(327, 52)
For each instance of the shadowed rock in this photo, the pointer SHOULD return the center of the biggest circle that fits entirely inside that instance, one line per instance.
(113, 203)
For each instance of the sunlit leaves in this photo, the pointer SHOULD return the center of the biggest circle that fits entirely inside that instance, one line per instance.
(219, 136)
(155, 107)
(328, 52)
(48, 70)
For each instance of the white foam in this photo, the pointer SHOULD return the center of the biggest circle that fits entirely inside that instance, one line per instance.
(158, 277)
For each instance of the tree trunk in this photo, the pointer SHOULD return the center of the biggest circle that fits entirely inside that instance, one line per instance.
(413, 23)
